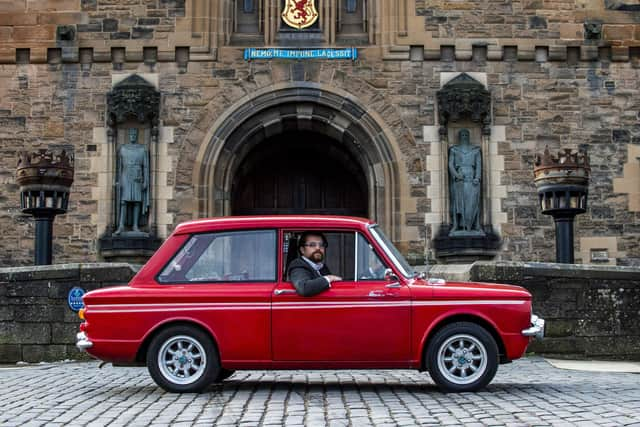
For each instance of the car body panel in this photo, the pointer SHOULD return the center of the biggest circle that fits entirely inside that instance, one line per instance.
(355, 324)
(373, 320)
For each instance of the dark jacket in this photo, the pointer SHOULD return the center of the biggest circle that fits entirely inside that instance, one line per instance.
(307, 281)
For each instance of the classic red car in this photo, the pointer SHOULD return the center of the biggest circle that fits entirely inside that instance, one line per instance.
(216, 298)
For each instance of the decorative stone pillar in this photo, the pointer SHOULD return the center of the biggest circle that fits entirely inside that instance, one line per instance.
(563, 187)
(464, 115)
(45, 178)
(133, 109)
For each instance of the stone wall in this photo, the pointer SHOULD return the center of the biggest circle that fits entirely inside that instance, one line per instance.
(549, 87)
(36, 323)
(591, 312)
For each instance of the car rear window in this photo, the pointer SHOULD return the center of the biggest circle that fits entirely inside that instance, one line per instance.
(230, 256)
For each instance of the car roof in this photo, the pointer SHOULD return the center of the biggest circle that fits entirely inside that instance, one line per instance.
(261, 221)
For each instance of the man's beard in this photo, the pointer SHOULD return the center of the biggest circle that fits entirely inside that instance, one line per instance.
(317, 256)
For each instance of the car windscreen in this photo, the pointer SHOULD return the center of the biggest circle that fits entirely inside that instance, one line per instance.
(391, 251)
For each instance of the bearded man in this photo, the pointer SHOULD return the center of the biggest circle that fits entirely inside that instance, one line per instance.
(309, 274)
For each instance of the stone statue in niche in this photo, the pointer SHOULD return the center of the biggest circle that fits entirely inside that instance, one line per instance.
(465, 176)
(132, 183)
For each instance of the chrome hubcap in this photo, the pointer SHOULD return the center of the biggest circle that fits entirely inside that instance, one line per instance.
(182, 359)
(462, 359)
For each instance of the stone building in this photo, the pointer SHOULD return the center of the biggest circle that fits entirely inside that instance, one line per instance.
(326, 106)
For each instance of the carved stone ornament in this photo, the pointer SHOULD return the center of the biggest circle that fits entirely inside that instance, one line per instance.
(66, 33)
(568, 168)
(45, 169)
(592, 30)
(133, 97)
(464, 97)
(300, 14)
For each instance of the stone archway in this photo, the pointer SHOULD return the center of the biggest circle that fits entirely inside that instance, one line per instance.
(299, 172)
(311, 108)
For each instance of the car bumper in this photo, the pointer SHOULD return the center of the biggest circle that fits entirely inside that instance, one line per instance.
(82, 342)
(536, 330)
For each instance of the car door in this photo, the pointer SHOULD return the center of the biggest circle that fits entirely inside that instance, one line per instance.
(363, 318)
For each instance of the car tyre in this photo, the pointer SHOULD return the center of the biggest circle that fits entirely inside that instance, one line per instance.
(462, 356)
(183, 359)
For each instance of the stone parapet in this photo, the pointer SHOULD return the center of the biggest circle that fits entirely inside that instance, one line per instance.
(591, 311)
(434, 50)
(36, 323)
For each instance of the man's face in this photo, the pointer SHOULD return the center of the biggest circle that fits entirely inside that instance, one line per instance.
(313, 248)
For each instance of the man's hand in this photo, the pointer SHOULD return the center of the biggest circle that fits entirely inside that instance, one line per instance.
(333, 278)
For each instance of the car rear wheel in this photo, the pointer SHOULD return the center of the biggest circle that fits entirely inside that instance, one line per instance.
(182, 359)
(462, 356)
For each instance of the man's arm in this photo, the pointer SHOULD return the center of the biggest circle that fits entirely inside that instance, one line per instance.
(305, 282)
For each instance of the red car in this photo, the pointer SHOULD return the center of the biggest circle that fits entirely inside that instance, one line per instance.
(216, 298)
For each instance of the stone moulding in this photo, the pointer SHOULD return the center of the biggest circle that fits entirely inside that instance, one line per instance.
(432, 52)
(464, 96)
(133, 97)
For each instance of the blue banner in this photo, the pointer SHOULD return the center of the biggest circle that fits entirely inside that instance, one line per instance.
(273, 53)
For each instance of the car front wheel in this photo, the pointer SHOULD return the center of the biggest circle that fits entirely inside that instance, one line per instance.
(183, 359)
(462, 356)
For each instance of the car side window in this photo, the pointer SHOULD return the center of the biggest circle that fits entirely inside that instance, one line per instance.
(369, 264)
(339, 254)
(235, 256)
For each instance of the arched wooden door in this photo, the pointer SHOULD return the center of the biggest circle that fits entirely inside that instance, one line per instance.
(299, 173)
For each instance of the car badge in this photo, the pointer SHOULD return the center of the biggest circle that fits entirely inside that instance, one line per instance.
(300, 13)
(74, 299)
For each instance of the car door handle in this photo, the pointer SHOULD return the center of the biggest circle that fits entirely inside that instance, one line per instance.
(395, 285)
(284, 291)
(377, 294)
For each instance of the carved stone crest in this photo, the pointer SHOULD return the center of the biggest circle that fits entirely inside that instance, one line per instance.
(135, 97)
(464, 97)
(300, 13)
(593, 30)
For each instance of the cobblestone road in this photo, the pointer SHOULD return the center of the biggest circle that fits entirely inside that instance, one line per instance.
(527, 392)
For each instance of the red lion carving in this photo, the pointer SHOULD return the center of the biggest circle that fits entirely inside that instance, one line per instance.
(300, 7)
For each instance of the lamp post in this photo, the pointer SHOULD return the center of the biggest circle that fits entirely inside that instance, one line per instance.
(563, 188)
(45, 178)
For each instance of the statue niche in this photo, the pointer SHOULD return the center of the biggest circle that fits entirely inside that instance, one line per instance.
(133, 108)
(464, 114)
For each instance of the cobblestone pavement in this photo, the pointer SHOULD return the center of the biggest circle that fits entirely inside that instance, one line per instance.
(527, 392)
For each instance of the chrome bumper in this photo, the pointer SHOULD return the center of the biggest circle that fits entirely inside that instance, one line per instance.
(82, 342)
(537, 328)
